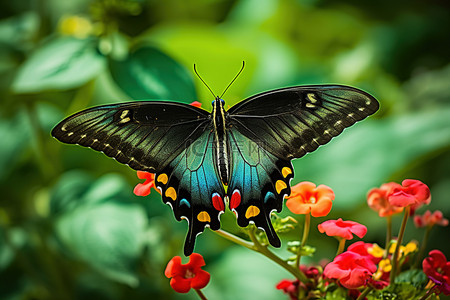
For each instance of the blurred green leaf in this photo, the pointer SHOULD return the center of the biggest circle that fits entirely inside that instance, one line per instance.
(372, 151)
(59, 64)
(98, 225)
(14, 135)
(148, 73)
(242, 274)
(108, 236)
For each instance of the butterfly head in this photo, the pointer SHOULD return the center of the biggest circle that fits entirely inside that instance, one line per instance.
(218, 102)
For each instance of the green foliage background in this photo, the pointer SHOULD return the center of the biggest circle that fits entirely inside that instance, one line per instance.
(70, 226)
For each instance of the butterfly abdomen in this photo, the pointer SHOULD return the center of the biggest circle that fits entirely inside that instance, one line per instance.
(220, 140)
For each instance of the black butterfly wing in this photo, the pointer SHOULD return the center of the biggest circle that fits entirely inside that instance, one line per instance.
(259, 182)
(291, 122)
(146, 135)
(191, 185)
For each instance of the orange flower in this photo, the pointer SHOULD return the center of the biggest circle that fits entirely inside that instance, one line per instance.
(377, 199)
(143, 189)
(306, 198)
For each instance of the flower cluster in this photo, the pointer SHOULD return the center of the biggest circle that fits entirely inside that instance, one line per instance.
(362, 270)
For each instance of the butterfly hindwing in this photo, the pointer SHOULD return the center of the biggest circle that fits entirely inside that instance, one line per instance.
(259, 181)
(192, 187)
(145, 135)
(297, 120)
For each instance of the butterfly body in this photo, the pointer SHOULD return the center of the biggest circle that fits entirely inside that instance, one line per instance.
(242, 154)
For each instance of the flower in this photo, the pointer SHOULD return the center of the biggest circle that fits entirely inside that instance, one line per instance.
(351, 269)
(187, 276)
(289, 287)
(412, 192)
(404, 250)
(430, 219)
(371, 251)
(306, 198)
(196, 104)
(377, 199)
(143, 189)
(343, 229)
(437, 268)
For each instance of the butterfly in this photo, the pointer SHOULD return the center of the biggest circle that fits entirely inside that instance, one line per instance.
(242, 155)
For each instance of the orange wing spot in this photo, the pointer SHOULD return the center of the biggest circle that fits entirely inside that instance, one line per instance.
(170, 192)
(203, 216)
(252, 211)
(286, 171)
(280, 185)
(162, 178)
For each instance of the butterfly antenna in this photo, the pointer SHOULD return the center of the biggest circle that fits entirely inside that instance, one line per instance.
(198, 75)
(235, 77)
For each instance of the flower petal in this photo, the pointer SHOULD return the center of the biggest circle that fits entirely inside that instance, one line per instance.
(180, 284)
(322, 208)
(200, 280)
(174, 267)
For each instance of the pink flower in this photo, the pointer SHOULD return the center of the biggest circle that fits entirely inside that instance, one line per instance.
(437, 268)
(343, 229)
(187, 276)
(413, 192)
(143, 189)
(351, 269)
(430, 219)
(363, 249)
(306, 198)
(377, 199)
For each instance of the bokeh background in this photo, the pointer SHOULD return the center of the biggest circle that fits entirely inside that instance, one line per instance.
(70, 226)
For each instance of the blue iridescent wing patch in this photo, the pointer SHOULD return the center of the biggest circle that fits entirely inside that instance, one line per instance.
(191, 185)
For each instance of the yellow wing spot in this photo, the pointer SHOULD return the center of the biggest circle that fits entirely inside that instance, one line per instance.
(252, 211)
(162, 178)
(170, 192)
(127, 119)
(124, 113)
(310, 105)
(280, 185)
(203, 216)
(311, 97)
(286, 171)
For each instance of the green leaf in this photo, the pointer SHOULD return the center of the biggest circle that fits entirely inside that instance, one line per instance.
(415, 277)
(59, 64)
(148, 73)
(97, 225)
(108, 236)
(372, 151)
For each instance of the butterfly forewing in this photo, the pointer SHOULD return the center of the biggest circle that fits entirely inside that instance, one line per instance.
(291, 122)
(145, 135)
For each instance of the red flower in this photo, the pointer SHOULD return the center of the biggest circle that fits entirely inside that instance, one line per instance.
(143, 189)
(306, 198)
(343, 229)
(377, 199)
(437, 268)
(289, 287)
(363, 249)
(190, 275)
(351, 269)
(196, 104)
(430, 219)
(412, 192)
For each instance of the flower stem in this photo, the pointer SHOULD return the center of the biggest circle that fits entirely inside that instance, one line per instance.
(388, 231)
(306, 228)
(201, 295)
(365, 292)
(269, 254)
(235, 239)
(423, 246)
(341, 246)
(256, 246)
(399, 243)
(429, 293)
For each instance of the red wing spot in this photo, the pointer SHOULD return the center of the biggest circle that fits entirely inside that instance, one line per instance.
(235, 199)
(218, 202)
